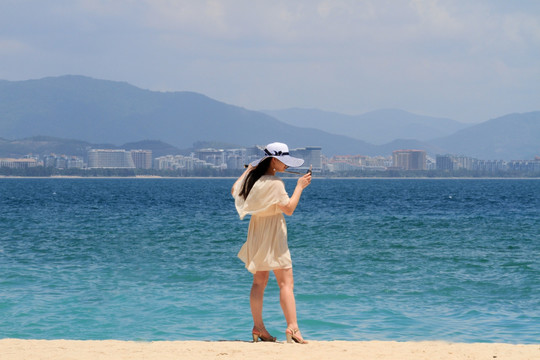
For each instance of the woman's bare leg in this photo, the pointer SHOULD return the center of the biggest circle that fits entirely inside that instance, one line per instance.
(285, 281)
(260, 279)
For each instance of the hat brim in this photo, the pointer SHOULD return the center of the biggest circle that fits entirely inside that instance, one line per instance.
(288, 160)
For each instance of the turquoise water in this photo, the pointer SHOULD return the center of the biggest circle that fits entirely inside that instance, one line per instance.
(155, 259)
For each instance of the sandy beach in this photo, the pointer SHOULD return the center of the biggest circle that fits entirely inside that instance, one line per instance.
(14, 349)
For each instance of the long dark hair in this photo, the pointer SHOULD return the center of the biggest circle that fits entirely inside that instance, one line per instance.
(254, 175)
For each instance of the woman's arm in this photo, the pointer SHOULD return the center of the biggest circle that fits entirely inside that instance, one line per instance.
(249, 168)
(302, 183)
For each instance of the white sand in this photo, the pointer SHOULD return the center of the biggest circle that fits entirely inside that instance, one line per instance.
(13, 349)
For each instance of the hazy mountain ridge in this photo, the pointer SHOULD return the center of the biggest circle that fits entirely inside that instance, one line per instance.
(45, 145)
(376, 127)
(77, 107)
(509, 137)
(107, 112)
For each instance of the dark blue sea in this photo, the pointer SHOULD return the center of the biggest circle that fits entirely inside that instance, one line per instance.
(374, 259)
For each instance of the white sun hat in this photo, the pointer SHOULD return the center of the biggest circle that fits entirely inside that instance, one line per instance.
(279, 151)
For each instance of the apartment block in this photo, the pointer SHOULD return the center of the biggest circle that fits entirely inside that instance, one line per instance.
(409, 159)
(444, 162)
(63, 161)
(312, 156)
(18, 163)
(142, 159)
(108, 158)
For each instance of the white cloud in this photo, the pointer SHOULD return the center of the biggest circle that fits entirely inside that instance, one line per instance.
(437, 19)
(10, 47)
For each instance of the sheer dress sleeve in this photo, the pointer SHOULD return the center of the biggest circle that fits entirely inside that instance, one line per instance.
(267, 191)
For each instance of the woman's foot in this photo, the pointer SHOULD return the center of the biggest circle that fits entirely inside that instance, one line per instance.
(261, 334)
(294, 335)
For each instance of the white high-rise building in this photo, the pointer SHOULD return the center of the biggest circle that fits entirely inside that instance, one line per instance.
(18, 163)
(108, 158)
(142, 159)
(312, 156)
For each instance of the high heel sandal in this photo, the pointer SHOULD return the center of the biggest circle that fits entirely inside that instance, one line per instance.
(258, 335)
(291, 336)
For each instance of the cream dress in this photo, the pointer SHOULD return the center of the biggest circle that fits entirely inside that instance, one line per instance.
(266, 246)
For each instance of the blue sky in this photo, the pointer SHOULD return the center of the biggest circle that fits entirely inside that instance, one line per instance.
(466, 60)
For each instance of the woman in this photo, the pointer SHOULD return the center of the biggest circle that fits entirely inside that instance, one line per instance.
(261, 194)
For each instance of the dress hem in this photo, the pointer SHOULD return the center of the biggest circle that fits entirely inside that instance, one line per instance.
(272, 268)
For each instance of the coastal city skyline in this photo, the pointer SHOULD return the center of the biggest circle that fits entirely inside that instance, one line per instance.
(218, 160)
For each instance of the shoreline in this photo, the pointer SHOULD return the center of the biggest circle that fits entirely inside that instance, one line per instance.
(146, 177)
(12, 349)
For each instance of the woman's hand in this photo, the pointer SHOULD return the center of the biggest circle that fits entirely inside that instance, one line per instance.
(304, 181)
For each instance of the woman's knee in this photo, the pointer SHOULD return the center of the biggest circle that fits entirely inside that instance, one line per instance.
(260, 279)
(285, 280)
(286, 285)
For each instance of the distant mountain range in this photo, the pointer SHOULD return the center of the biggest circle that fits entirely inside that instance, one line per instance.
(513, 136)
(510, 137)
(59, 146)
(101, 111)
(377, 127)
(40, 115)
